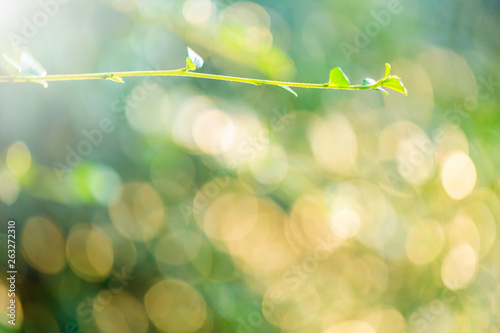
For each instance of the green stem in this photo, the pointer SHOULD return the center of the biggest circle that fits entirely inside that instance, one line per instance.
(180, 72)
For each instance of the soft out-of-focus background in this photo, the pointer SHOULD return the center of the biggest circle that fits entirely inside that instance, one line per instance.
(183, 205)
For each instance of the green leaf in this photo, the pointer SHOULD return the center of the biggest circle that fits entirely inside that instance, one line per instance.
(115, 78)
(287, 88)
(387, 70)
(190, 65)
(193, 60)
(394, 82)
(368, 81)
(338, 78)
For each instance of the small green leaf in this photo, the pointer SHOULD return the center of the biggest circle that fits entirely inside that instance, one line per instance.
(338, 78)
(382, 90)
(190, 65)
(368, 82)
(395, 83)
(115, 78)
(387, 71)
(193, 60)
(287, 88)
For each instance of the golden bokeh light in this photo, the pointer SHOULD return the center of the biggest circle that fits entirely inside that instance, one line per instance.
(208, 194)
(138, 212)
(42, 245)
(121, 314)
(424, 242)
(230, 217)
(411, 149)
(264, 251)
(334, 143)
(213, 131)
(251, 140)
(459, 267)
(18, 158)
(458, 175)
(484, 224)
(345, 222)
(309, 221)
(175, 307)
(197, 11)
(387, 320)
(391, 135)
(291, 305)
(9, 191)
(415, 157)
(89, 252)
(462, 229)
(377, 219)
(182, 126)
(352, 326)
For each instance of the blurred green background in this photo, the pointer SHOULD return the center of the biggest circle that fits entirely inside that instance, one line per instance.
(189, 205)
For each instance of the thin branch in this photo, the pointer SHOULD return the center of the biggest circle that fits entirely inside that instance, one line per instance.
(338, 80)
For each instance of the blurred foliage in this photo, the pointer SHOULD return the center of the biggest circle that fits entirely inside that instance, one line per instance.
(185, 205)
